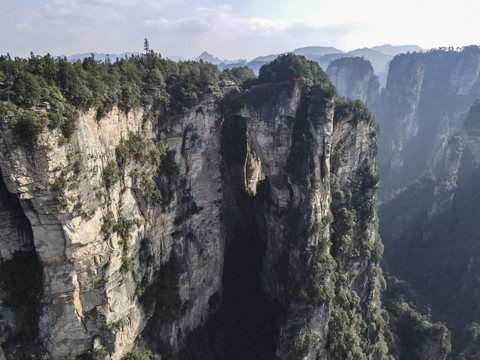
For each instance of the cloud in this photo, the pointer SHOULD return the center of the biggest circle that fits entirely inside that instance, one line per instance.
(221, 22)
(148, 4)
(71, 10)
(193, 24)
(224, 31)
(230, 29)
(110, 10)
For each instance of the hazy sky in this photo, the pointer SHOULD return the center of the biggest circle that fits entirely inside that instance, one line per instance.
(233, 28)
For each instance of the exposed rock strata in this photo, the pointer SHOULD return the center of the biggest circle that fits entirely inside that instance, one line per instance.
(93, 284)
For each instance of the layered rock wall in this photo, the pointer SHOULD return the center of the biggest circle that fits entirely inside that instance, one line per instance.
(148, 227)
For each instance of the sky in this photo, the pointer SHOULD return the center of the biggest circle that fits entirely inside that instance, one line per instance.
(231, 29)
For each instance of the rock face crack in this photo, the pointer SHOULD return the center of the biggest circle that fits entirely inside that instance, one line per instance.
(243, 325)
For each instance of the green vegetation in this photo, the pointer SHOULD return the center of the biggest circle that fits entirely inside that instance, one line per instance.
(314, 82)
(368, 175)
(127, 264)
(346, 326)
(116, 325)
(147, 80)
(111, 174)
(78, 209)
(59, 183)
(289, 66)
(137, 148)
(354, 63)
(348, 110)
(339, 156)
(151, 193)
(343, 228)
(238, 75)
(28, 83)
(28, 125)
(353, 206)
(95, 354)
(98, 353)
(124, 226)
(412, 329)
(322, 273)
(142, 355)
(107, 225)
(152, 165)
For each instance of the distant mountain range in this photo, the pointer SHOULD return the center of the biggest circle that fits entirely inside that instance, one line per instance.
(379, 57)
(316, 51)
(205, 56)
(100, 56)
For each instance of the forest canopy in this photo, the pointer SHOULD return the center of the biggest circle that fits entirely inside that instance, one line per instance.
(140, 81)
(145, 80)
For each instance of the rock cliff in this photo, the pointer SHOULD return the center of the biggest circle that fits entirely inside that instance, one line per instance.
(424, 104)
(99, 247)
(427, 147)
(355, 78)
(244, 231)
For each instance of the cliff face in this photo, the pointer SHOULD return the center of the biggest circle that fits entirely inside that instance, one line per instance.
(434, 221)
(257, 216)
(301, 262)
(293, 143)
(424, 104)
(99, 248)
(428, 147)
(355, 78)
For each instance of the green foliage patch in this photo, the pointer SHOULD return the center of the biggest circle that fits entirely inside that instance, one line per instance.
(142, 355)
(111, 174)
(142, 81)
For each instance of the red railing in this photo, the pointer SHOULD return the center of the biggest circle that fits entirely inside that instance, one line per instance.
(268, 84)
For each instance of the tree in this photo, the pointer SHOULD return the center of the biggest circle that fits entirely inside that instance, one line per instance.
(154, 88)
(26, 90)
(146, 46)
(28, 125)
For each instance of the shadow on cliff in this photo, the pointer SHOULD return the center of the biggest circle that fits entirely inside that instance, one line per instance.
(243, 321)
(20, 283)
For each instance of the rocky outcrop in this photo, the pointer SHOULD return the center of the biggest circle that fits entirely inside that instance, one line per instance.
(427, 151)
(355, 78)
(424, 104)
(433, 221)
(162, 227)
(292, 135)
(91, 281)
